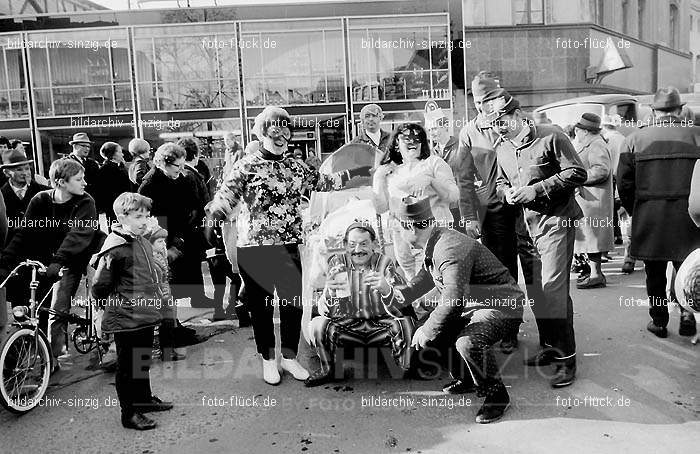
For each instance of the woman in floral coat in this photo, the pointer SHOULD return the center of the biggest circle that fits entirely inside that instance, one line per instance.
(268, 185)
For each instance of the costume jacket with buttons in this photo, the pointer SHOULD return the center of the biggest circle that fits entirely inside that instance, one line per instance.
(468, 277)
(547, 160)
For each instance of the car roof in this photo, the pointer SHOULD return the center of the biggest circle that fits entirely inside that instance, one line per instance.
(614, 98)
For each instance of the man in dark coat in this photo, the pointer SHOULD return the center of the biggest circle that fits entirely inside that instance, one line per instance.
(113, 178)
(19, 189)
(653, 177)
(370, 117)
(140, 151)
(82, 144)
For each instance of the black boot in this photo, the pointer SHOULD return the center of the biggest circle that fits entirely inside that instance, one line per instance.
(544, 357)
(565, 373)
(320, 377)
(687, 326)
(459, 386)
(138, 421)
(495, 404)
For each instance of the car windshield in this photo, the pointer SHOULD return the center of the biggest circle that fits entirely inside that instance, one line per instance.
(571, 113)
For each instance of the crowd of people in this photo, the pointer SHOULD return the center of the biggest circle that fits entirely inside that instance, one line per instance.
(463, 211)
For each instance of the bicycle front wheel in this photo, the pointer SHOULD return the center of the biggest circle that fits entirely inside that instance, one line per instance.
(25, 368)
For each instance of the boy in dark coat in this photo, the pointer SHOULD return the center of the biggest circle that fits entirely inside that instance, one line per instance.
(59, 229)
(127, 285)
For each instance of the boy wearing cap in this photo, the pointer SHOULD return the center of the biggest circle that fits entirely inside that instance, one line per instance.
(539, 170)
(477, 297)
(654, 182)
(353, 314)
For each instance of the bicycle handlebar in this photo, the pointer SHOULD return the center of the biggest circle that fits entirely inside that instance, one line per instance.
(41, 268)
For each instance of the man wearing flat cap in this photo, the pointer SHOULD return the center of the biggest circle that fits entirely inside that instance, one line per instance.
(352, 313)
(503, 230)
(654, 182)
(476, 298)
(539, 170)
(81, 145)
(370, 117)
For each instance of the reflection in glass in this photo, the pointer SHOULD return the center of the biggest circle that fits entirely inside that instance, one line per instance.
(85, 72)
(13, 97)
(390, 62)
(302, 65)
(186, 67)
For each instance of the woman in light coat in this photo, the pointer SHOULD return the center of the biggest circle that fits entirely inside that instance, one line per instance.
(594, 233)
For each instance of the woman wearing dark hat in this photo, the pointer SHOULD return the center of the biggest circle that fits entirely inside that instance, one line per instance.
(594, 233)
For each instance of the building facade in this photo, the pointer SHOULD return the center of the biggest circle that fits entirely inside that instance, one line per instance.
(162, 74)
(547, 50)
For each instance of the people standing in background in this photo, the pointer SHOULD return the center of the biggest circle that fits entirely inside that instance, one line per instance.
(81, 146)
(502, 228)
(546, 192)
(371, 116)
(623, 220)
(176, 207)
(140, 151)
(312, 160)
(654, 177)
(20, 187)
(113, 180)
(464, 211)
(594, 235)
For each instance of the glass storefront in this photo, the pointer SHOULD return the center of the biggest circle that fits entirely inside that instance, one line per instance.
(293, 62)
(403, 59)
(13, 83)
(186, 67)
(80, 72)
(161, 82)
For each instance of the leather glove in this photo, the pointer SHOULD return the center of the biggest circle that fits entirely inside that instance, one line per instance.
(213, 222)
(53, 272)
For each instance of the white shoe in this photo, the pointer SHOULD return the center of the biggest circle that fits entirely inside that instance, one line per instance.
(270, 373)
(293, 367)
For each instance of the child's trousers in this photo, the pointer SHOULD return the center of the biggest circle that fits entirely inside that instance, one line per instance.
(134, 350)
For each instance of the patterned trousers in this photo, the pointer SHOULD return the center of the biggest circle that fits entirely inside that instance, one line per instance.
(329, 334)
(485, 328)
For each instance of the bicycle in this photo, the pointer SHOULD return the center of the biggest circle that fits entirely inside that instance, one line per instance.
(26, 361)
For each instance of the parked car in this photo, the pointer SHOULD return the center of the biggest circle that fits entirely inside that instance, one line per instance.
(634, 110)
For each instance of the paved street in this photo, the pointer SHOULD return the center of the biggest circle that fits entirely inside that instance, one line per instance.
(634, 393)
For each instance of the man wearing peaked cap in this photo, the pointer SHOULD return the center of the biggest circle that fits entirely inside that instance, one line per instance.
(477, 297)
(662, 229)
(546, 193)
(503, 229)
(372, 134)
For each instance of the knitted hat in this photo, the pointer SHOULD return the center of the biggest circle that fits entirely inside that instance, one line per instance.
(589, 121)
(483, 83)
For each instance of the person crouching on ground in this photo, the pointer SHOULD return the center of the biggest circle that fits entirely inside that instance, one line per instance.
(477, 299)
(126, 283)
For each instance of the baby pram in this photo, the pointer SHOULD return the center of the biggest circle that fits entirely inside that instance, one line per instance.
(329, 214)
